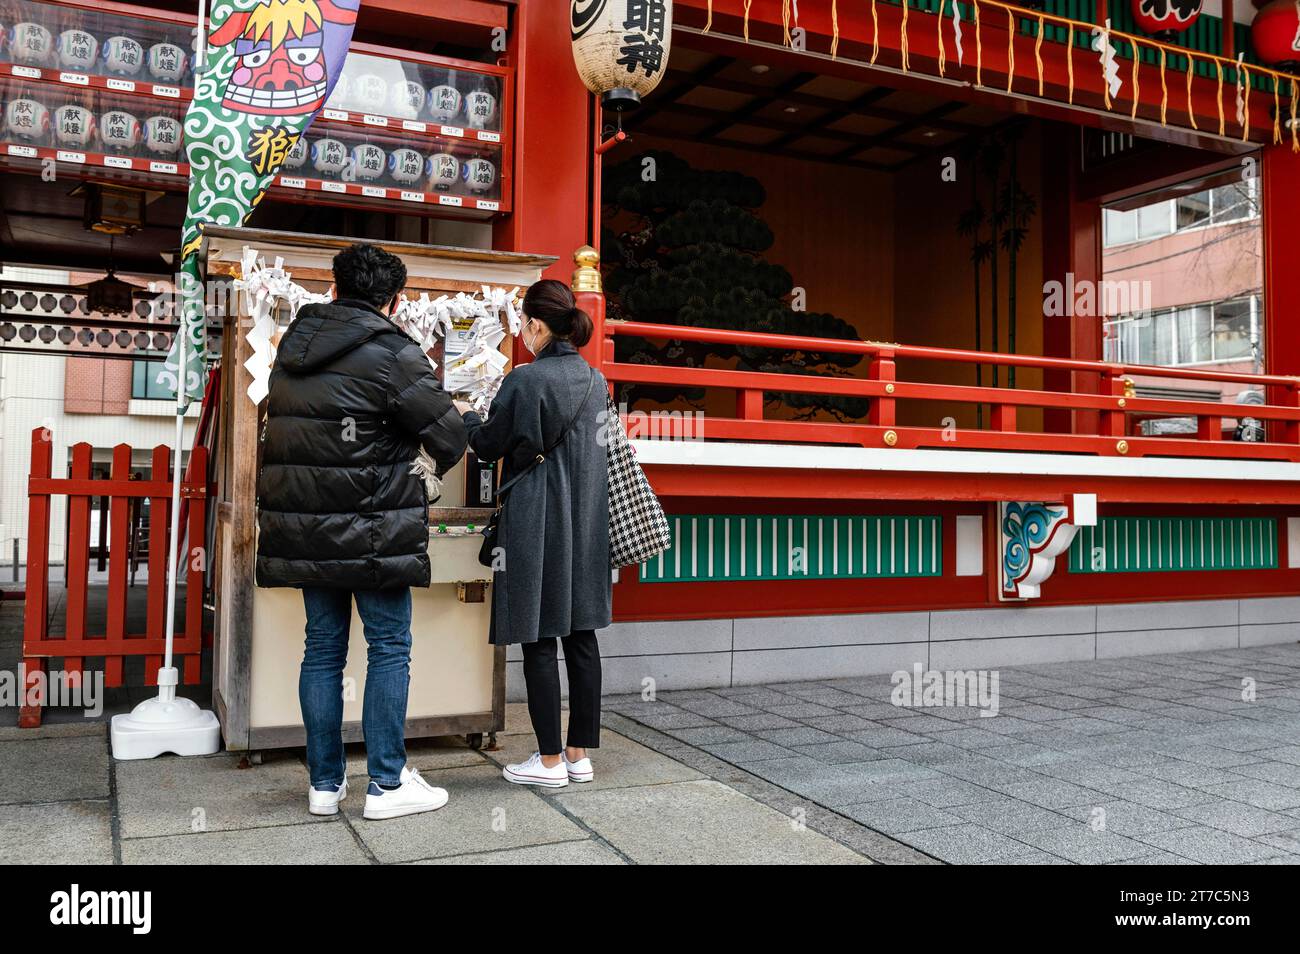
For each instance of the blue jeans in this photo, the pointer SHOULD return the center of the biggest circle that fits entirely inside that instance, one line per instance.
(386, 617)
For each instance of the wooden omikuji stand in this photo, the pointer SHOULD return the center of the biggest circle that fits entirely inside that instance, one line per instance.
(457, 677)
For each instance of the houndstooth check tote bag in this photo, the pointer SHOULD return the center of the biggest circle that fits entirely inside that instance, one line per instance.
(638, 529)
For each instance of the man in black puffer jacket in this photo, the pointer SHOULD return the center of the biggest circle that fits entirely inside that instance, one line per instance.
(342, 516)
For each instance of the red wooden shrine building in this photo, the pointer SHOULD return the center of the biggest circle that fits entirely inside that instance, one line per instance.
(991, 459)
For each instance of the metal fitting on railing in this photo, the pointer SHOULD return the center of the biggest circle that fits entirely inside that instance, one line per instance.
(586, 277)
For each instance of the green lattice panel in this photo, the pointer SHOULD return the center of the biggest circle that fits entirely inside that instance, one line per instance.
(1171, 544)
(727, 547)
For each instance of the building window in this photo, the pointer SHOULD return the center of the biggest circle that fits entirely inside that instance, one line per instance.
(1234, 202)
(144, 387)
(1210, 333)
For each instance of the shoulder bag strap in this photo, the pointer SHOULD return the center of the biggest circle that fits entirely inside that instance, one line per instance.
(558, 441)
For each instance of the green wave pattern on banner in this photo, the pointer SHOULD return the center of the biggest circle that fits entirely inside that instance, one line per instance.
(271, 65)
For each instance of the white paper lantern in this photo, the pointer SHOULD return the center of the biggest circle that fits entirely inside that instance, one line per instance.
(406, 99)
(405, 166)
(31, 43)
(74, 125)
(329, 156)
(444, 103)
(119, 131)
(77, 50)
(621, 47)
(26, 119)
(162, 134)
(167, 62)
(480, 175)
(480, 109)
(444, 171)
(369, 92)
(297, 155)
(368, 161)
(123, 55)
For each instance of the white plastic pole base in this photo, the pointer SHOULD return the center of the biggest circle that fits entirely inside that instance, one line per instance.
(165, 724)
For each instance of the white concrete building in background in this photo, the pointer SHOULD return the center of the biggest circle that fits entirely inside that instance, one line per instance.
(101, 401)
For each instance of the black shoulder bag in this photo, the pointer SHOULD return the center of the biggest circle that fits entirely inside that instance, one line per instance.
(486, 551)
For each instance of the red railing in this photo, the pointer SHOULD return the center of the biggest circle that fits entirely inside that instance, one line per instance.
(1111, 404)
(114, 643)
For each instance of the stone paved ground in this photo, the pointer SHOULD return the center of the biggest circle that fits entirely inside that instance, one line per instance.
(1154, 759)
(64, 800)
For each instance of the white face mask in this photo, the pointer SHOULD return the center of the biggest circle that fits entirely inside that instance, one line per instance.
(531, 346)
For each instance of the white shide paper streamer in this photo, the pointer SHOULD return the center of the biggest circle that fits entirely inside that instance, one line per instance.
(476, 372)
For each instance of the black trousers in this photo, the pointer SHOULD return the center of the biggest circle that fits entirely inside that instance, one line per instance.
(542, 677)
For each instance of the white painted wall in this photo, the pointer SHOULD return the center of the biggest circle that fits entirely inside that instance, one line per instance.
(31, 396)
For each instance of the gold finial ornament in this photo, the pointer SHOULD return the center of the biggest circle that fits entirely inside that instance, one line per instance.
(1122, 447)
(1130, 388)
(891, 438)
(586, 277)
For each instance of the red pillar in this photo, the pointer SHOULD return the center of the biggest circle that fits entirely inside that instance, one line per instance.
(1071, 248)
(1280, 213)
(552, 146)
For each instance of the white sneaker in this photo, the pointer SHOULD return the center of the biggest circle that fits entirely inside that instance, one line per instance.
(579, 771)
(325, 802)
(415, 795)
(533, 772)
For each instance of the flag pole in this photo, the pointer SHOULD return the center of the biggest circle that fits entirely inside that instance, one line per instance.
(168, 670)
(166, 723)
(201, 49)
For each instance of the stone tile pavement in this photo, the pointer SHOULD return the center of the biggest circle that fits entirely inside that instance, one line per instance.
(1185, 758)
(64, 800)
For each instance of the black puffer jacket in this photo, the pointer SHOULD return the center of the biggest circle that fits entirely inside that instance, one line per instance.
(351, 399)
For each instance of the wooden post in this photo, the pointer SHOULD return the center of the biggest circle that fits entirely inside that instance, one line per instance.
(237, 609)
(118, 564)
(156, 594)
(749, 404)
(1114, 423)
(590, 295)
(196, 560)
(1003, 417)
(36, 619)
(77, 562)
(882, 409)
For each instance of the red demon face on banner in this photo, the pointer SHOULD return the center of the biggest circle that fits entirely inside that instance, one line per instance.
(285, 57)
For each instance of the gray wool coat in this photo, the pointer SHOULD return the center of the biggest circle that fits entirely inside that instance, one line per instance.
(554, 525)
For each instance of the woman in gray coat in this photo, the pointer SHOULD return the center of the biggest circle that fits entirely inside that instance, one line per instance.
(551, 574)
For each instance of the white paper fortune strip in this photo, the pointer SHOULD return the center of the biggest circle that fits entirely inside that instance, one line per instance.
(471, 327)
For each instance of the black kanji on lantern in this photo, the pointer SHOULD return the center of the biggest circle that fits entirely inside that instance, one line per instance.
(642, 43)
(1179, 10)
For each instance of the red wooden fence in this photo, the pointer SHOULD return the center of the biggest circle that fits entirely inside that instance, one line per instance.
(113, 643)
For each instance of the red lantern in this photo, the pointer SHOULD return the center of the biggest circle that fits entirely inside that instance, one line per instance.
(1275, 33)
(1166, 17)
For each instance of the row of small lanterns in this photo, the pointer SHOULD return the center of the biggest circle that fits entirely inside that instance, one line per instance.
(85, 336)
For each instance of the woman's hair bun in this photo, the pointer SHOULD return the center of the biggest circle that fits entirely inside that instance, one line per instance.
(552, 303)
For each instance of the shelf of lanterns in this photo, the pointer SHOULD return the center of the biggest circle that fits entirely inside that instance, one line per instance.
(107, 92)
(411, 133)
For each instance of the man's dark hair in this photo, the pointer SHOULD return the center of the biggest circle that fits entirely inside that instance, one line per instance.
(368, 273)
